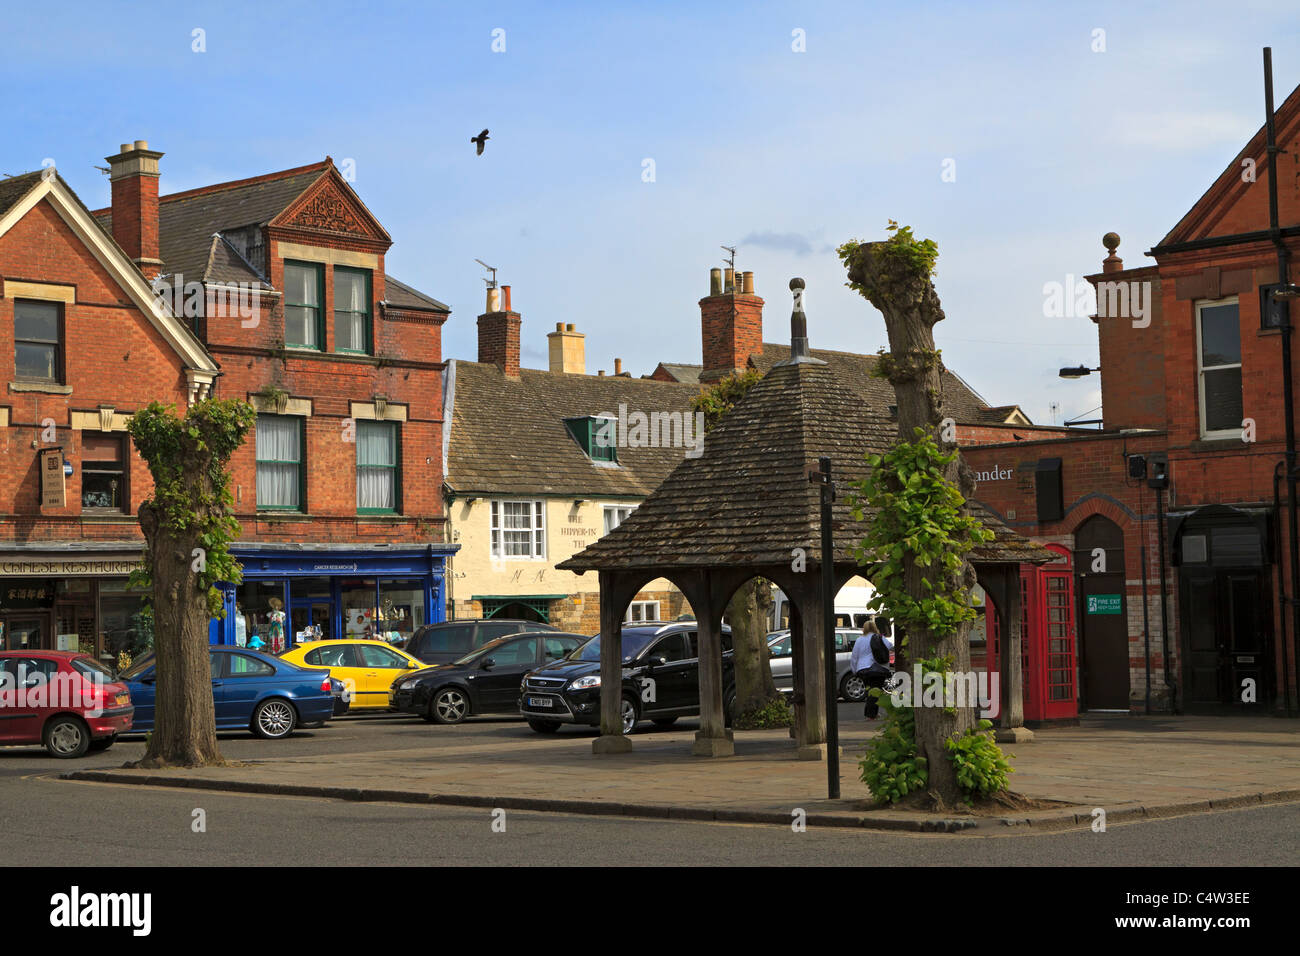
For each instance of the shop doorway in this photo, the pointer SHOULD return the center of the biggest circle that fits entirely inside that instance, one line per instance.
(316, 613)
(1225, 608)
(1103, 615)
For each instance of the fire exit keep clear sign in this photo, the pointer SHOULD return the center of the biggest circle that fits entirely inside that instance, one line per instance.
(1103, 604)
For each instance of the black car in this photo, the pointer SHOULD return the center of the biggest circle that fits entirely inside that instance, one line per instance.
(483, 681)
(451, 640)
(661, 680)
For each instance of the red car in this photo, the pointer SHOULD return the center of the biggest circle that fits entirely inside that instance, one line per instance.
(68, 702)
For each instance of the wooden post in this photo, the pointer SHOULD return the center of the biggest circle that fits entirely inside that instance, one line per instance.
(812, 736)
(1011, 722)
(712, 739)
(612, 740)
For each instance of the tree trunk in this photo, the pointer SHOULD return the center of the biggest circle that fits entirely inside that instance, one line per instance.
(911, 307)
(185, 728)
(749, 613)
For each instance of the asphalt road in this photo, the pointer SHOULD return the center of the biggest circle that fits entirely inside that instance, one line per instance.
(57, 822)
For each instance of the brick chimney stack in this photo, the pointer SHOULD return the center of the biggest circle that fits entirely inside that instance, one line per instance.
(731, 324)
(498, 333)
(133, 173)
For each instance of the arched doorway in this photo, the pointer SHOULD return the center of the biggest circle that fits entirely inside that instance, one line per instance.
(1103, 615)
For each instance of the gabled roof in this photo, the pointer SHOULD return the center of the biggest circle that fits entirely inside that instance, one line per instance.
(1203, 219)
(690, 374)
(508, 436)
(747, 499)
(17, 197)
(853, 369)
(187, 220)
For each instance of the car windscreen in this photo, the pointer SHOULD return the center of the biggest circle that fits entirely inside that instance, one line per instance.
(480, 652)
(140, 665)
(92, 668)
(634, 642)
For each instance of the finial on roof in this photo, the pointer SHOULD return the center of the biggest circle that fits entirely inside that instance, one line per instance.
(799, 351)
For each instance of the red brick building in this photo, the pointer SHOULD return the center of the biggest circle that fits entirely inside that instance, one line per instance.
(275, 291)
(1191, 374)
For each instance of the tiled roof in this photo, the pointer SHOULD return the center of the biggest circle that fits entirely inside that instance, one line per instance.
(188, 220)
(508, 435)
(401, 296)
(15, 188)
(747, 500)
(689, 374)
(853, 369)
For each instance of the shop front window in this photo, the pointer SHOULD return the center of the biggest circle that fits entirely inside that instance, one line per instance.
(401, 609)
(260, 618)
(125, 625)
(359, 613)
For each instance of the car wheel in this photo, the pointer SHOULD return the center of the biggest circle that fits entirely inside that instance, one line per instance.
(544, 726)
(103, 743)
(665, 721)
(853, 688)
(449, 706)
(274, 718)
(66, 737)
(628, 714)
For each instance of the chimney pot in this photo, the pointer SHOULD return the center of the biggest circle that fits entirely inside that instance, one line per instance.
(618, 366)
(506, 290)
(747, 283)
(569, 327)
(601, 373)
(141, 144)
(715, 282)
(559, 326)
(729, 280)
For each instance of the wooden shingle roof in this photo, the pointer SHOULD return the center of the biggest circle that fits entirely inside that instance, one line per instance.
(747, 501)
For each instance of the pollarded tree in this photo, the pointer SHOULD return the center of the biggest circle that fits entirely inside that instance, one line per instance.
(922, 532)
(188, 525)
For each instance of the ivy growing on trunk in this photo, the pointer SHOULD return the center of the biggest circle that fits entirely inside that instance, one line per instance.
(188, 525)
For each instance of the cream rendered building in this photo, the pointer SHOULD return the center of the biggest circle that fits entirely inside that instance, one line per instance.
(529, 479)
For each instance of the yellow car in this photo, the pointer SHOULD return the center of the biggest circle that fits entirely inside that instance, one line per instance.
(367, 668)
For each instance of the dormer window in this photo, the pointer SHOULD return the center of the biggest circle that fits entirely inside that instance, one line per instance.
(596, 435)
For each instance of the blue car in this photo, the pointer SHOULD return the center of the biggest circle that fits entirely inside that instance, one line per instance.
(250, 691)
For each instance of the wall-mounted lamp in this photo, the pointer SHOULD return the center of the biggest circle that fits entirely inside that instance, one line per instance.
(1079, 371)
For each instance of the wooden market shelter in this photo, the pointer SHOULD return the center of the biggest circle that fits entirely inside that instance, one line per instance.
(746, 507)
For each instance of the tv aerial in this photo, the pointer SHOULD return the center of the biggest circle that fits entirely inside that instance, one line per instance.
(491, 283)
(731, 260)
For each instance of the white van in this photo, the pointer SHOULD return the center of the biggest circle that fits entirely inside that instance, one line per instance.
(851, 608)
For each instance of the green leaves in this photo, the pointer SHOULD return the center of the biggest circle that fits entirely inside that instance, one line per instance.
(915, 258)
(187, 458)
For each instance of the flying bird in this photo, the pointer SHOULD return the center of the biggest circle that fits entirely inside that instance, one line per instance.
(480, 139)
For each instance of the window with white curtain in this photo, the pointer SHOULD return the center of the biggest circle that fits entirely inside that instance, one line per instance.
(519, 529)
(351, 310)
(376, 466)
(280, 462)
(302, 305)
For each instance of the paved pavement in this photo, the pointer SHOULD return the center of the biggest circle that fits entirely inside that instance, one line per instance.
(1134, 768)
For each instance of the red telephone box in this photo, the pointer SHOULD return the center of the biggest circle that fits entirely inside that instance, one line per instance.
(1047, 638)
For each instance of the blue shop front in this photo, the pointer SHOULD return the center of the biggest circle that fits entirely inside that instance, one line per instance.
(322, 592)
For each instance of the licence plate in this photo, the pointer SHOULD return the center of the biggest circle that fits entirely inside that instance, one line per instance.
(123, 699)
(540, 702)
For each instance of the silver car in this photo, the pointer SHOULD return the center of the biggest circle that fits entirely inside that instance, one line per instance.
(779, 645)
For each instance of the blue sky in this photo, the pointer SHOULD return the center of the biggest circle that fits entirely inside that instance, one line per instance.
(783, 154)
